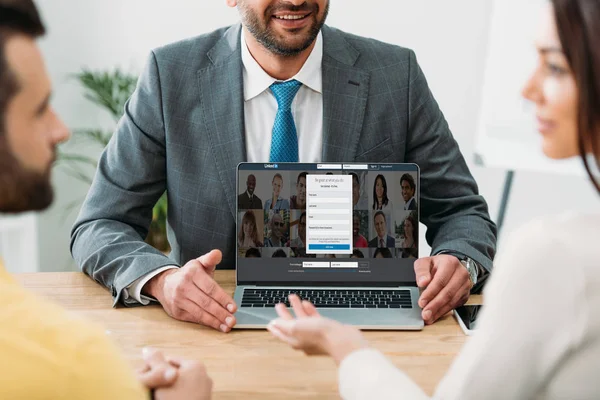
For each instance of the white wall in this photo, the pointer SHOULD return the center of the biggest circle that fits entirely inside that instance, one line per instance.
(450, 39)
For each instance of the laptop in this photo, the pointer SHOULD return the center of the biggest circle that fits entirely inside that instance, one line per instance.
(344, 236)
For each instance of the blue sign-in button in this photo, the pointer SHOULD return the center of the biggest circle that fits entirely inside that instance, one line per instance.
(329, 247)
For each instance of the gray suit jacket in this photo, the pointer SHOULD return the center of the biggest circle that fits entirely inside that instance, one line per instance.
(183, 132)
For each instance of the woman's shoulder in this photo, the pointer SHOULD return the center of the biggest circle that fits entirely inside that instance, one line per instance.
(544, 231)
(548, 241)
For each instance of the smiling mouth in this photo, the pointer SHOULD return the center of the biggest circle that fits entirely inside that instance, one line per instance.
(291, 17)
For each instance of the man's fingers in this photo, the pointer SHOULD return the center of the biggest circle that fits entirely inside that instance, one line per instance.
(209, 286)
(189, 311)
(283, 312)
(439, 281)
(296, 304)
(440, 312)
(210, 260)
(207, 303)
(447, 294)
(423, 271)
(460, 297)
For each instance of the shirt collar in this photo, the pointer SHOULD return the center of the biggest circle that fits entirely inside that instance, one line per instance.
(256, 80)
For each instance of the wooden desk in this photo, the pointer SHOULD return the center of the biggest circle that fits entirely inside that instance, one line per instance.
(244, 364)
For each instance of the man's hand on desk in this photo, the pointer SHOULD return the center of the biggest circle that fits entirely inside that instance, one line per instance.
(190, 293)
(174, 378)
(446, 285)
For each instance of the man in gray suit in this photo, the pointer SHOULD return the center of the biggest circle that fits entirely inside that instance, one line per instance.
(205, 104)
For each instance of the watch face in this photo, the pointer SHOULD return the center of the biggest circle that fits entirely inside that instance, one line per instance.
(471, 269)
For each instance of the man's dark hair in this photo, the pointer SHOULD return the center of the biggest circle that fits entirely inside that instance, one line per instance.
(408, 178)
(302, 175)
(17, 17)
(355, 177)
(380, 213)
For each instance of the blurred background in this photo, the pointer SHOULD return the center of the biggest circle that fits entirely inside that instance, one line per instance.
(451, 40)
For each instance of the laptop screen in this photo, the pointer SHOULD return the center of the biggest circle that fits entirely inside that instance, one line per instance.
(333, 224)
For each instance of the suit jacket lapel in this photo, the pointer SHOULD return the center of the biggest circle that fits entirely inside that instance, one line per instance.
(345, 92)
(222, 98)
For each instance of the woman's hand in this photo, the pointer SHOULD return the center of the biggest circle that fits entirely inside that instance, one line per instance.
(313, 334)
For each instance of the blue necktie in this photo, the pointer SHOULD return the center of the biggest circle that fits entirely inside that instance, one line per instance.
(284, 142)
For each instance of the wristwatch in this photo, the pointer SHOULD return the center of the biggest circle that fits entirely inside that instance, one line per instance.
(468, 263)
(472, 269)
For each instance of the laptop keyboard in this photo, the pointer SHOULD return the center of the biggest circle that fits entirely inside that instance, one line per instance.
(329, 298)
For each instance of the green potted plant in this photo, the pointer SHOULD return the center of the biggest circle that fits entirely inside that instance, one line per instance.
(109, 90)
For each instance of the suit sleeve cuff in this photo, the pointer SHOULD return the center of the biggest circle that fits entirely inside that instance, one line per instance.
(133, 293)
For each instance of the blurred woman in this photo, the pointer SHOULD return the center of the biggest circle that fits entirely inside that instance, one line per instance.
(248, 234)
(539, 335)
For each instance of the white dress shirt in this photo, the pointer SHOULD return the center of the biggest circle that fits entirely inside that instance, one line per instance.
(260, 108)
(538, 336)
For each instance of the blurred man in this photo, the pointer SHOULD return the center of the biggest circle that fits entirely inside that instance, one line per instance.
(298, 201)
(407, 183)
(248, 200)
(46, 353)
(382, 239)
(280, 87)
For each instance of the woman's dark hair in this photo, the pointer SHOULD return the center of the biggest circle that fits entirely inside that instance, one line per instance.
(357, 253)
(16, 17)
(252, 252)
(578, 25)
(384, 198)
(279, 253)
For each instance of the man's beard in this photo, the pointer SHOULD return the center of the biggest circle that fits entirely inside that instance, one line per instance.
(268, 38)
(21, 189)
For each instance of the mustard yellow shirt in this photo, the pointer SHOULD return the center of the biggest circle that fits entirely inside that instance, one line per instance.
(45, 353)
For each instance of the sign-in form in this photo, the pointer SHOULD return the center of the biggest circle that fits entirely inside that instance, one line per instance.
(329, 214)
